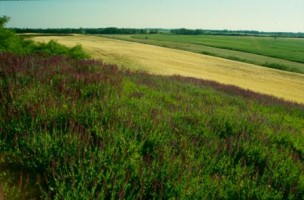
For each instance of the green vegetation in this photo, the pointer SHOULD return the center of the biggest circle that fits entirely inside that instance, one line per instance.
(53, 48)
(182, 31)
(10, 42)
(281, 53)
(82, 129)
(109, 30)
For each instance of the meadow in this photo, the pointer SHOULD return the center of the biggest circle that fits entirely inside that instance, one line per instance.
(72, 127)
(165, 61)
(279, 53)
(88, 130)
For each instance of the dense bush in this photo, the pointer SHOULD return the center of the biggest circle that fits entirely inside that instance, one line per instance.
(53, 48)
(10, 42)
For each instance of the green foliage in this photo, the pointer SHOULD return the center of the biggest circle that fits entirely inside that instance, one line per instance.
(77, 52)
(81, 129)
(53, 48)
(10, 42)
(3, 21)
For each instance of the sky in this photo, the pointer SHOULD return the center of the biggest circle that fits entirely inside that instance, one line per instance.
(260, 15)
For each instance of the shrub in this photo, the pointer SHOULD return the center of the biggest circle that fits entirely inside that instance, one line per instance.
(10, 42)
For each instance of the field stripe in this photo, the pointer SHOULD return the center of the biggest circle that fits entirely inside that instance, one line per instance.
(218, 52)
(164, 61)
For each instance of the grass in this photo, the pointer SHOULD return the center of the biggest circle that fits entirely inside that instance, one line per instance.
(82, 129)
(165, 61)
(281, 53)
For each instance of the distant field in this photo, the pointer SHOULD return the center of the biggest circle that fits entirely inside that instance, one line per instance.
(281, 53)
(285, 48)
(166, 61)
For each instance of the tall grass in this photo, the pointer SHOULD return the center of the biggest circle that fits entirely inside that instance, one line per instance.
(82, 129)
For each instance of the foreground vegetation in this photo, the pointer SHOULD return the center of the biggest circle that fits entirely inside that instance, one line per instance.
(84, 129)
(281, 53)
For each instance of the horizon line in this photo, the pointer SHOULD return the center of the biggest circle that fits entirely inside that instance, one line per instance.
(149, 28)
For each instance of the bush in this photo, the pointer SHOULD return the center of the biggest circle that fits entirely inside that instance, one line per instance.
(12, 43)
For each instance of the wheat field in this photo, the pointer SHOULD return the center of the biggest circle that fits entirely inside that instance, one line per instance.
(164, 61)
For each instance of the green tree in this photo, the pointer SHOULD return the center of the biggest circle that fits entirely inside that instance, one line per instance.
(3, 21)
(9, 42)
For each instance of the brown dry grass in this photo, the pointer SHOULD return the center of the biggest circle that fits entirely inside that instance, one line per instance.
(159, 60)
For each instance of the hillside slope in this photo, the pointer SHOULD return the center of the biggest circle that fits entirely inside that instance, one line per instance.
(82, 129)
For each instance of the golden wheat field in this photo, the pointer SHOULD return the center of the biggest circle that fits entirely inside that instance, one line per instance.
(163, 61)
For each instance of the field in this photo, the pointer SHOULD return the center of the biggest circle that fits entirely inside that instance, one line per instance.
(281, 53)
(164, 61)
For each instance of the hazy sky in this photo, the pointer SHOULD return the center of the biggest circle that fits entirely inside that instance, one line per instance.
(262, 15)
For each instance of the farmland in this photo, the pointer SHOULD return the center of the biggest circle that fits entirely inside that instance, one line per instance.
(166, 61)
(280, 53)
(144, 122)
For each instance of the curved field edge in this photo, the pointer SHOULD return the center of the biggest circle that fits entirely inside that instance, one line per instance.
(89, 130)
(158, 60)
(231, 54)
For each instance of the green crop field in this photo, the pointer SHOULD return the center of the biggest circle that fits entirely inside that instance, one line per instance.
(281, 53)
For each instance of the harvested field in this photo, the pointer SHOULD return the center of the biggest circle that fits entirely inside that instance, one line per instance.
(159, 60)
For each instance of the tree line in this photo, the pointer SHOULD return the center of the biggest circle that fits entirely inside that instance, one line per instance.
(109, 30)
(184, 31)
(180, 31)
